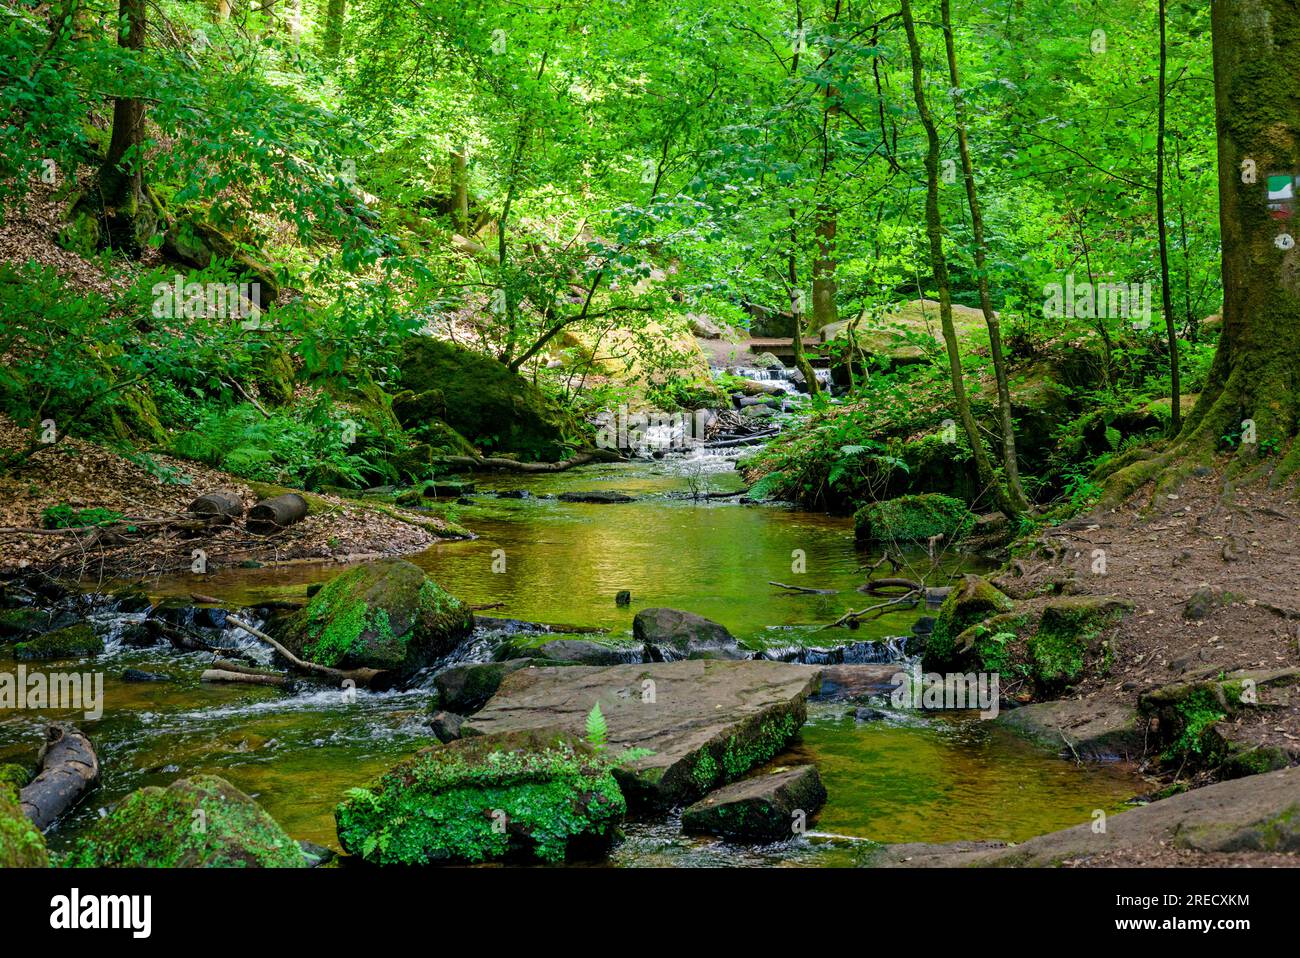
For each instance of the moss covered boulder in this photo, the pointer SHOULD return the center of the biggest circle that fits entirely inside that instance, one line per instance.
(969, 603)
(21, 842)
(536, 793)
(198, 822)
(1070, 635)
(764, 808)
(912, 519)
(15, 776)
(72, 642)
(383, 615)
(480, 398)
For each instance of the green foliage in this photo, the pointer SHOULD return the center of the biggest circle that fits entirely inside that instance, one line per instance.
(64, 516)
(596, 728)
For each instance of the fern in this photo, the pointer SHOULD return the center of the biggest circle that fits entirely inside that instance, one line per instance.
(596, 728)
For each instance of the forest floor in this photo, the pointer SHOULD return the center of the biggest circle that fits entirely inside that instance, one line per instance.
(83, 475)
(1214, 584)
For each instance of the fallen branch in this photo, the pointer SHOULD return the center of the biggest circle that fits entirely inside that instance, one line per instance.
(851, 618)
(69, 767)
(799, 588)
(247, 678)
(369, 678)
(877, 586)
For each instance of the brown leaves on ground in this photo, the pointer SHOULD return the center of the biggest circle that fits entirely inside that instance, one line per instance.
(1239, 550)
(85, 476)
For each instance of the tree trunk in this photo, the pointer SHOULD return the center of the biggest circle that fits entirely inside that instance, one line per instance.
(934, 231)
(1250, 392)
(460, 192)
(275, 515)
(1010, 464)
(334, 13)
(1166, 294)
(122, 212)
(68, 767)
(1256, 371)
(796, 313)
(217, 507)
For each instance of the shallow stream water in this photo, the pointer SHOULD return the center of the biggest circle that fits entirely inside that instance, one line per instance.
(907, 778)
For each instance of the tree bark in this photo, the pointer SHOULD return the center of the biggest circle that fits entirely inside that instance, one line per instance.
(939, 263)
(1256, 370)
(217, 507)
(334, 13)
(69, 767)
(275, 515)
(459, 192)
(1010, 463)
(128, 216)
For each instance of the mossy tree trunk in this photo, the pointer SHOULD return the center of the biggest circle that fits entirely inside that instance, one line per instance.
(934, 232)
(334, 12)
(460, 191)
(1251, 390)
(1010, 463)
(121, 213)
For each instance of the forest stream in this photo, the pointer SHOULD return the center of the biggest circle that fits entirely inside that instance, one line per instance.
(906, 777)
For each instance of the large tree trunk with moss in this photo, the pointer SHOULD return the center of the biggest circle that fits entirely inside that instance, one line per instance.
(1010, 463)
(460, 191)
(1250, 394)
(934, 232)
(117, 211)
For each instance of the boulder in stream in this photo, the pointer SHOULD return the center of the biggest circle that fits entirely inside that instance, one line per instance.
(381, 615)
(197, 822)
(704, 722)
(538, 793)
(72, 642)
(672, 634)
(597, 496)
(763, 808)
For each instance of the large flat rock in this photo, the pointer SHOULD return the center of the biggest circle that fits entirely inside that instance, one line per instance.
(1259, 814)
(1090, 730)
(706, 722)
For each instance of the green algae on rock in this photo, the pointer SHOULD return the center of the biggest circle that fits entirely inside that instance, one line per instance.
(197, 822)
(971, 602)
(382, 615)
(763, 808)
(21, 842)
(72, 642)
(537, 792)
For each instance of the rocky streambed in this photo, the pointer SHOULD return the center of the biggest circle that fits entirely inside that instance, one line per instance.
(785, 715)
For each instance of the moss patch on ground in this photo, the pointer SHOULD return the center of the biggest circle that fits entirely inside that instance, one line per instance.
(21, 842)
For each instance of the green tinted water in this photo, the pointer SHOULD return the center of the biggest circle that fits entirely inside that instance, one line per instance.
(920, 780)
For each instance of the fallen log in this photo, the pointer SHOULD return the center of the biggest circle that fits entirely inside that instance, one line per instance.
(247, 678)
(184, 641)
(375, 679)
(275, 515)
(879, 586)
(499, 462)
(69, 767)
(219, 508)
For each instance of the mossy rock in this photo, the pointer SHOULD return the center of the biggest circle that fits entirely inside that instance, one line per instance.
(196, 244)
(382, 615)
(485, 402)
(16, 623)
(275, 374)
(912, 519)
(197, 822)
(465, 689)
(21, 842)
(72, 642)
(1069, 634)
(535, 793)
(1254, 761)
(15, 776)
(969, 603)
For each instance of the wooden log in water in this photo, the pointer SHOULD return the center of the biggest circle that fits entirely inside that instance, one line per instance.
(69, 767)
(219, 507)
(247, 678)
(275, 515)
(376, 679)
